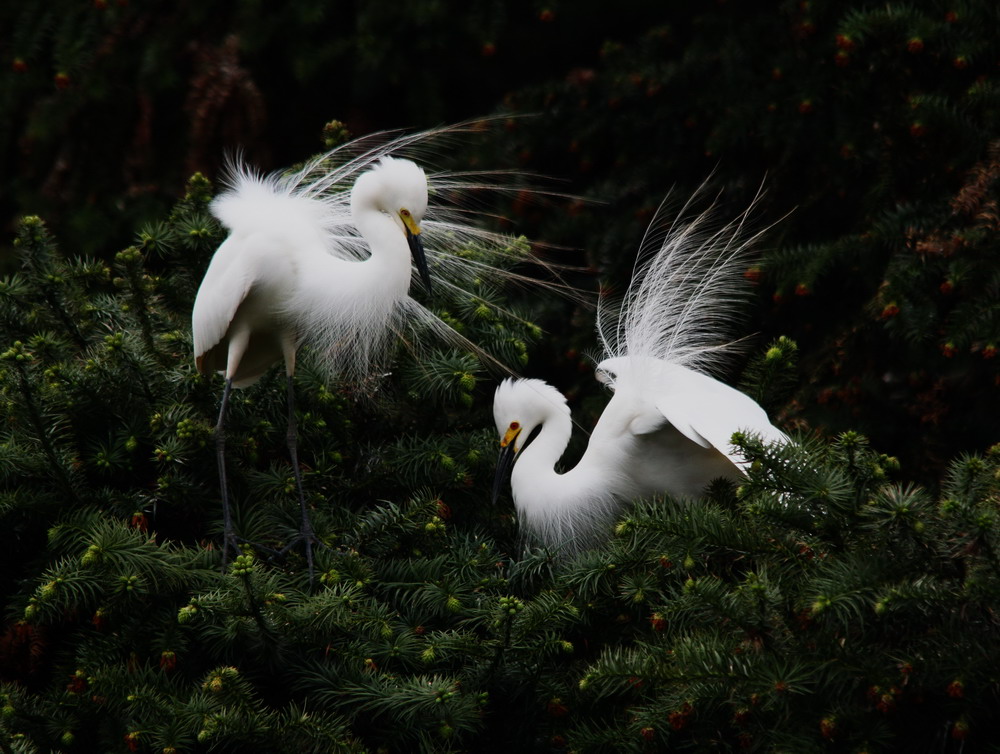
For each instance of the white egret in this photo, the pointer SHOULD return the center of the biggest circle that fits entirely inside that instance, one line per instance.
(308, 260)
(669, 424)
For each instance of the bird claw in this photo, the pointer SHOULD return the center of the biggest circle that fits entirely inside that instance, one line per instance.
(309, 538)
(235, 544)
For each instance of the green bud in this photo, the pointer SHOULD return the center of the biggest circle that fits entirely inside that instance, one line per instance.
(949, 506)
(131, 254)
(242, 565)
(820, 604)
(91, 556)
(216, 682)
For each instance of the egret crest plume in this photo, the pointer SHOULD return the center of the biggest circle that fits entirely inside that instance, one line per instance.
(687, 291)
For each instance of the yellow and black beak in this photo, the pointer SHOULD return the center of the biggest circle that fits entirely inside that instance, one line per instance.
(505, 463)
(416, 246)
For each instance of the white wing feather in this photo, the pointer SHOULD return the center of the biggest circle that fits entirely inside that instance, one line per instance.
(708, 412)
(226, 284)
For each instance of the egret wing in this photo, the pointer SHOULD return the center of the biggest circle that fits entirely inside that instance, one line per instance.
(226, 284)
(658, 392)
(708, 412)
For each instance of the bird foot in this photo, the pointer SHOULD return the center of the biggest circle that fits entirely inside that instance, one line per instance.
(233, 546)
(308, 537)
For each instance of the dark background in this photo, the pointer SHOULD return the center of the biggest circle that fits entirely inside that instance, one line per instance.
(871, 124)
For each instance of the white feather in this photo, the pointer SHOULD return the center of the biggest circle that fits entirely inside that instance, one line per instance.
(292, 233)
(668, 426)
(686, 292)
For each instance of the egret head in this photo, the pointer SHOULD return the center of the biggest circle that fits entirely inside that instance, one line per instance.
(396, 188)
(520, 408)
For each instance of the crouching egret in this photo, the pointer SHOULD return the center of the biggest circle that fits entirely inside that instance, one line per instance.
(308, 260)
(668, 426)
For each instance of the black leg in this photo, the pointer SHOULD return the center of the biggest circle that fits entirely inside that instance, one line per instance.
(306, 533)
(229, 535)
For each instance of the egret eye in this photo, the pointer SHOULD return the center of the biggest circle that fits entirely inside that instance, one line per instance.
(515, 425)
(404, 212)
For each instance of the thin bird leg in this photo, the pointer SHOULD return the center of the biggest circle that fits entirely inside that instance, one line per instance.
(228, 536)
(306, 533)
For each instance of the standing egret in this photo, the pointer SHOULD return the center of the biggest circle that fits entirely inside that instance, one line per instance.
(669, 424)
(307, 259)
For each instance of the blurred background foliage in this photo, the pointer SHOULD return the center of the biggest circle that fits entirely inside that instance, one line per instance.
(871, 126)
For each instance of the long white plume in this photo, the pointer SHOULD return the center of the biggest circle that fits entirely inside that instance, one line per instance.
(687, 289)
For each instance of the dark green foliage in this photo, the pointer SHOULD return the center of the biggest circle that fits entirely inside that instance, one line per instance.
(818, 606)
(110, 504)
(770, 376)
(836, 601)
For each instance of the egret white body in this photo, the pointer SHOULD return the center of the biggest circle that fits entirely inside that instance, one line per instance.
(324, 255)
(668, 426)
(274, 278)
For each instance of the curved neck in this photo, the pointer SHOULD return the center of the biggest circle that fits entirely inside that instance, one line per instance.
(390, 254)
(562, 510)
(537, 461)
(353, 299)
